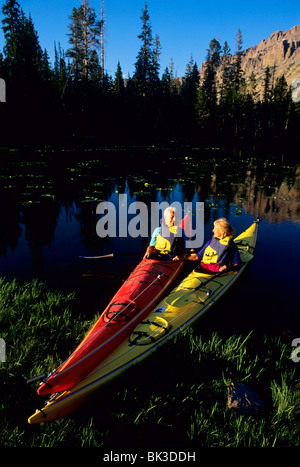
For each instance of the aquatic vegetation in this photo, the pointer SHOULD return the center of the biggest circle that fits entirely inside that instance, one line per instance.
(187, 405)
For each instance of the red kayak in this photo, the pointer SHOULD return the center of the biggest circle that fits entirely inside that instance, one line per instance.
(133, 301)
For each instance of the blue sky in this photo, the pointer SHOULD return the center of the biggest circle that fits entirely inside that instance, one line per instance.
(185, 28)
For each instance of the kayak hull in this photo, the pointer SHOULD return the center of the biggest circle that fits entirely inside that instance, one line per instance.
(136, 297)
(194, 296)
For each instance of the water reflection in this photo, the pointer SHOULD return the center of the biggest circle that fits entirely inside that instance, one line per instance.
(50, 196)
(274, 196)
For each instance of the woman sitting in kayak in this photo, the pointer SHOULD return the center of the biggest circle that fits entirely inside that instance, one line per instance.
(168, 238)
(220, 252)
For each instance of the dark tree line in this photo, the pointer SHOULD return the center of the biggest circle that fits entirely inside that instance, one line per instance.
(76, 98)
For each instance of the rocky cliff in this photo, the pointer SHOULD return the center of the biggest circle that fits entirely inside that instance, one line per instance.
(280, 52)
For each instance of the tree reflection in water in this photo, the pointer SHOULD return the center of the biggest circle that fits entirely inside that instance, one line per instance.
(49, 205)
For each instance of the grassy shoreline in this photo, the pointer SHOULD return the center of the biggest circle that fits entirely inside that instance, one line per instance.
(185, 407)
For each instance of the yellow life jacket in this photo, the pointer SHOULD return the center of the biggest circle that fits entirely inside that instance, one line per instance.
(166, 239)
(216, 251)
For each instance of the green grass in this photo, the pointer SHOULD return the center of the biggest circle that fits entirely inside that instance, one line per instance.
(178, 396)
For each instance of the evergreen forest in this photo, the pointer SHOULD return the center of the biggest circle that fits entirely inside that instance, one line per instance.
(75, 100)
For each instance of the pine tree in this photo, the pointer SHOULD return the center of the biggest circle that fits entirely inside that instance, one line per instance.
(210, 73)
(166, 82)
(237, 64)
(252, 86)
(26, 65)
(28, 74)
(119, 81)
(281, 106)
(156, 55)
(84, 39)
(282, 91)
(146, 75)
(32, 53)
(13, 30)
(226, 73)
(76, 39)
(226, 91)
(169, 83)
(267, 90)
(190, 83)
(189, 93)
(60, 70)
(171, 67)
(102, 22)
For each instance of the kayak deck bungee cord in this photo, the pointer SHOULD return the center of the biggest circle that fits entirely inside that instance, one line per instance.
(135, 298)
(195, 295)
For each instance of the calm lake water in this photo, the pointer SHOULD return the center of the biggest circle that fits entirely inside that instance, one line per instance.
(49, 218)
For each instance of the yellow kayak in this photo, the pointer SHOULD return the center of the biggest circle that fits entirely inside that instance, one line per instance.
(180, 308)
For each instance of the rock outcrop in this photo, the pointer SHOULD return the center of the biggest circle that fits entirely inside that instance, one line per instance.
(243, 399)
(280, 52)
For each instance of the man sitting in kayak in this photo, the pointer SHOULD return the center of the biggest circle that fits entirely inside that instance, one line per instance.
(168, 238)
(220, 252)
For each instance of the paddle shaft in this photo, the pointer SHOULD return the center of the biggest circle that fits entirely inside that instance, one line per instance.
(110, 255)
(97, 257)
